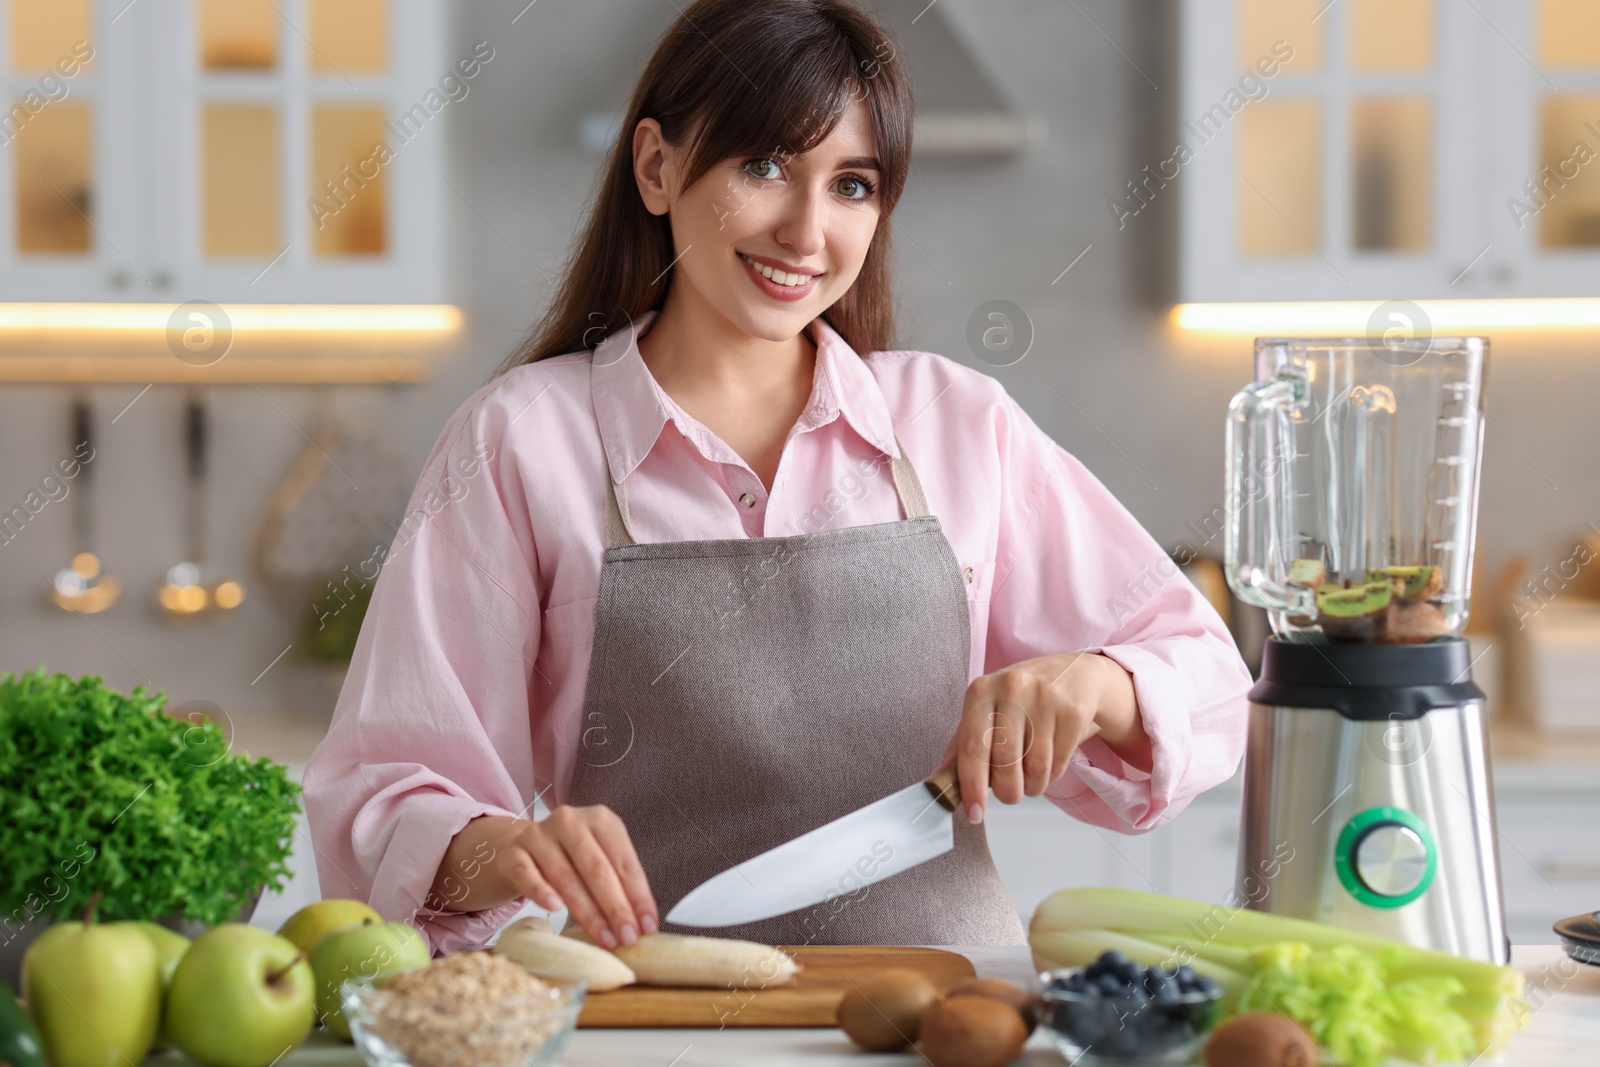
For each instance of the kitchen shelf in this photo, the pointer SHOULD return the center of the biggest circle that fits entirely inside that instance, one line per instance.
(279, 344)
(260, 370)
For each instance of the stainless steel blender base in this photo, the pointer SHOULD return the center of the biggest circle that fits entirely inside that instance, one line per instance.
(1383, 827)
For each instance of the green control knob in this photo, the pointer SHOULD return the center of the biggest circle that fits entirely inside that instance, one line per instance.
(1386, 857)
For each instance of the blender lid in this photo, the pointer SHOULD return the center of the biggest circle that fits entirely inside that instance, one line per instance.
(1367, 683)
(1580, 936)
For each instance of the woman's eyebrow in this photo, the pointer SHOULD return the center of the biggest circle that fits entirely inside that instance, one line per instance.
(859, 163)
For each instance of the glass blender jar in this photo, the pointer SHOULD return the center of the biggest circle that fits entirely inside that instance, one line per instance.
(1352, 503)
(1353, 487)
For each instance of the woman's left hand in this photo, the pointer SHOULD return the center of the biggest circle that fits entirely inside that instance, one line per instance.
(1020, 725)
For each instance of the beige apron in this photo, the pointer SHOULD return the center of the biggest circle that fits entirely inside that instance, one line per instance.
(742, 692)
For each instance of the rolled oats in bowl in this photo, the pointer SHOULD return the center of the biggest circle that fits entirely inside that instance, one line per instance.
(472, 1009)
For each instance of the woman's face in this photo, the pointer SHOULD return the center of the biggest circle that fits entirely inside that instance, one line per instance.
(807, 220)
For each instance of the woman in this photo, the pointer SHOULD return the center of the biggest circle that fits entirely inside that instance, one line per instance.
(708, 565)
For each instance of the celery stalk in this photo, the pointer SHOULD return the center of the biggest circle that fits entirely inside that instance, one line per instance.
(1199, 927)
(1233, 959)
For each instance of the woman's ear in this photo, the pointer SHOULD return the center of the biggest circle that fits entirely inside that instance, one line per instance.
(653, 166)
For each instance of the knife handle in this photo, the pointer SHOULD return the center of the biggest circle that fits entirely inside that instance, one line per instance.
(945, 788)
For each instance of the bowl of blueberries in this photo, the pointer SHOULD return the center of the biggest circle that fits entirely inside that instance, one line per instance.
(1115, 1012)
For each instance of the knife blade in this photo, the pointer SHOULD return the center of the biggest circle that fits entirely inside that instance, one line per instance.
(870, 844)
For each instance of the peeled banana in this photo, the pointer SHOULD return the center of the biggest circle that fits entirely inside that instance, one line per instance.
(713, 962)
(529, 942)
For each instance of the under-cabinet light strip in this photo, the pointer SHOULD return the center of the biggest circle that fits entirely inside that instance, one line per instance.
(403, 318)
(1353, 318)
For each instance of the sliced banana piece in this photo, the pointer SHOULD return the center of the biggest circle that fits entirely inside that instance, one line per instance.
(710, 962)
(553, 956)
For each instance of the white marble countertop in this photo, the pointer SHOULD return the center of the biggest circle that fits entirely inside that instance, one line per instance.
(1563, 1030)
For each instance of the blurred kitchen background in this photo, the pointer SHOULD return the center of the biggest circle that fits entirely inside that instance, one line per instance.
(271, 319)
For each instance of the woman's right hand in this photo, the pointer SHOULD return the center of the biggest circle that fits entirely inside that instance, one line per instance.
(580, 858)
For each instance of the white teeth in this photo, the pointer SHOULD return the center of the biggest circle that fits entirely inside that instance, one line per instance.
(777, 276)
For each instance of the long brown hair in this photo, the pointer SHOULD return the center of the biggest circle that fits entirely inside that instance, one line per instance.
(736, 77)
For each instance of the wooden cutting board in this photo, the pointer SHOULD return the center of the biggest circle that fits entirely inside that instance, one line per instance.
(826, 972)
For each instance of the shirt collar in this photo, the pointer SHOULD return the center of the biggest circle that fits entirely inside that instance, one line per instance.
(631, 408)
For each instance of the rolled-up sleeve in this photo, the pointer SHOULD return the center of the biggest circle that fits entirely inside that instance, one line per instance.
(433, 725)
(1074, 570)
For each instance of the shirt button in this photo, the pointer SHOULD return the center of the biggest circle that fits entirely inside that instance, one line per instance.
(747, 500)
(966, 572)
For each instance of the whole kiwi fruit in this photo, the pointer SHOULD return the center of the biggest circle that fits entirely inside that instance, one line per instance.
(1001, 990)
(971, 1031)
(1261, 1039)
(883, 1012)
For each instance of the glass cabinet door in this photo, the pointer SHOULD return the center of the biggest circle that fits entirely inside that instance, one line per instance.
(288, 173)
(1331, 149)
(253, 151)
(1546, 203)
(63, 139)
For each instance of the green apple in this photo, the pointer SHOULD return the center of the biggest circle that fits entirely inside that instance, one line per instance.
(241, 997)
(170, 947)
(311, 923)
(362, 950)
(95, 992)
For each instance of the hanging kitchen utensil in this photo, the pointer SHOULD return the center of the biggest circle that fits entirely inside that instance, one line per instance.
(330, 521)
(83, 585)
(195, 585)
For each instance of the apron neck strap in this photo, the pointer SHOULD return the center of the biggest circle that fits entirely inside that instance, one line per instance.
(913, 501)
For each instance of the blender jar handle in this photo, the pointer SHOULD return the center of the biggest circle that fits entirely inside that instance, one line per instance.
(1256, 513)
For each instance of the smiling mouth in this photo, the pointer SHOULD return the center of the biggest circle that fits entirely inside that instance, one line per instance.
(778, 277)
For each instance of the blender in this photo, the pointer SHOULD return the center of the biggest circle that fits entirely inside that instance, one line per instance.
(1352, 503)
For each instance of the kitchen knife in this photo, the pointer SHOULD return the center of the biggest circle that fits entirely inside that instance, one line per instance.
(855, 850)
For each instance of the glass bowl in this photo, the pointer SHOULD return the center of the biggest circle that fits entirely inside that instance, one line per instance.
(1124, 1030)
(516, 1030)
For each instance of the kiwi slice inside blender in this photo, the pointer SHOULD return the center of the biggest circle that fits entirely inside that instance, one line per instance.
(1410, 583)
(1366, 599)
(1354, 613)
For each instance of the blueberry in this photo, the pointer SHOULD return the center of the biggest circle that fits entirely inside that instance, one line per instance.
(1166, 992)
(1111, 959)
(1186, 976)
(1067, 981)
(1208, 986)
(1111, 985)
(1131, 973)
(1157, 984)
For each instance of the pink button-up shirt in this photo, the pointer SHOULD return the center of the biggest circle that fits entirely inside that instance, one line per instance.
(465, 693)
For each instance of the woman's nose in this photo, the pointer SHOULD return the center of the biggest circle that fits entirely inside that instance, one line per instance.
(802, 227)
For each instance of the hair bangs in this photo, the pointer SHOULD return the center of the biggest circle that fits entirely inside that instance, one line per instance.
(804, 93)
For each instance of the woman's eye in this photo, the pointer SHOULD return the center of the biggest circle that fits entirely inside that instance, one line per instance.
(755, 166)
(855, 188)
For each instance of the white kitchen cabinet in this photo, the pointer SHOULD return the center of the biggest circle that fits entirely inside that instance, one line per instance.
(1381, 156)
(189, 157)
(1545, 204)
